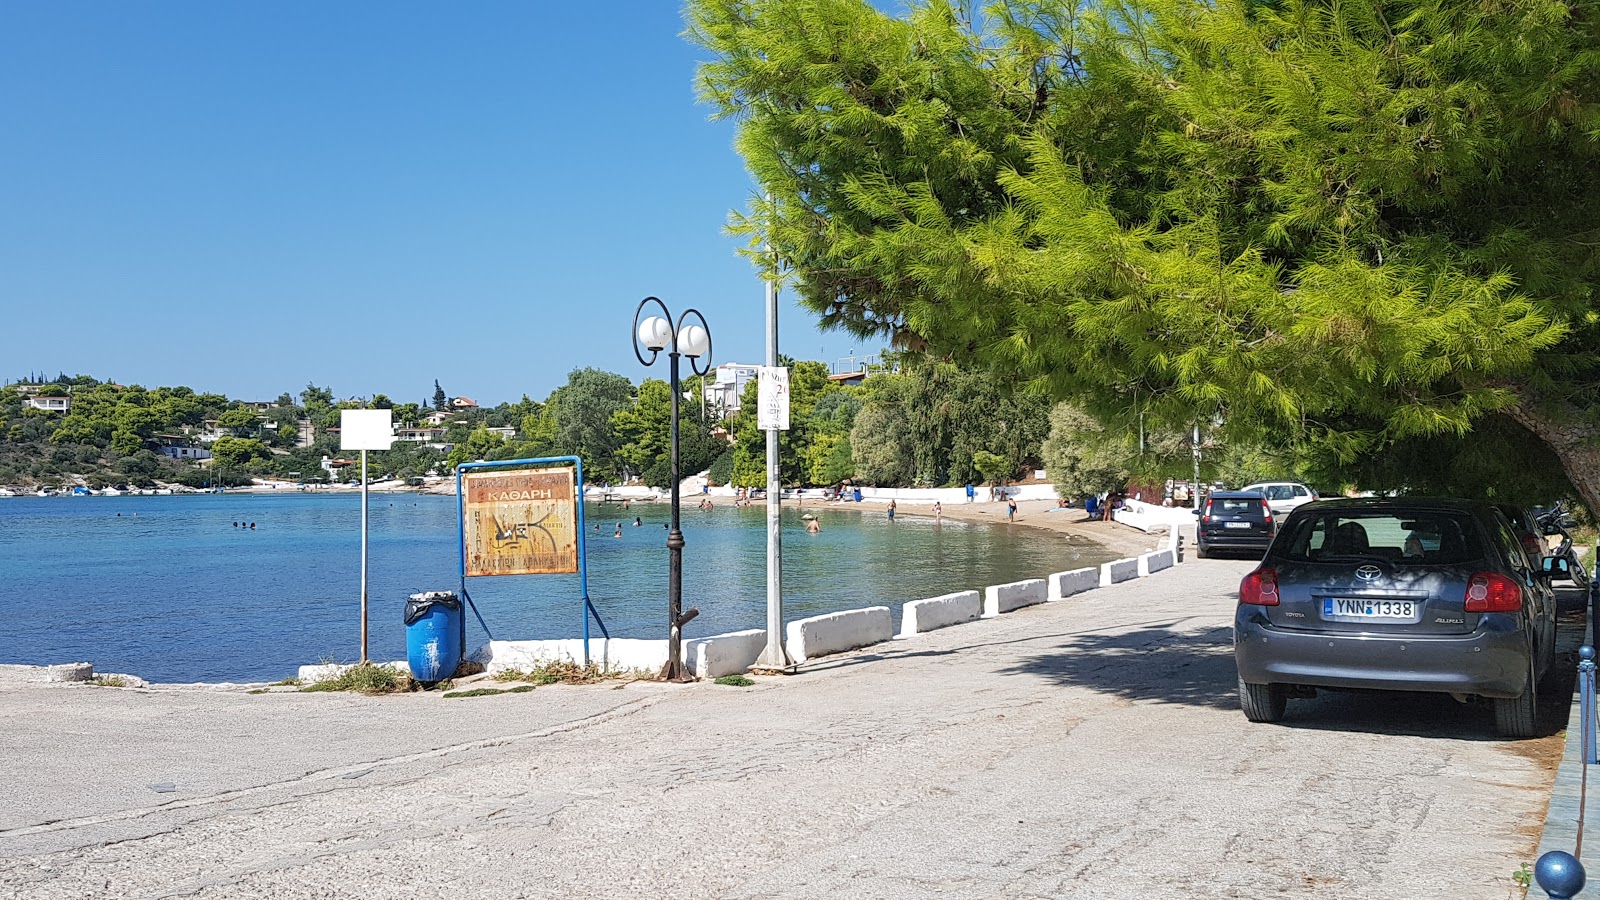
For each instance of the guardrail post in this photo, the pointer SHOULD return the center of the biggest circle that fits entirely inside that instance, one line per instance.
(1586, 704)
(1559, 874)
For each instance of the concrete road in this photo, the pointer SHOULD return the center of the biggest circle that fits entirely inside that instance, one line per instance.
(1090, 748)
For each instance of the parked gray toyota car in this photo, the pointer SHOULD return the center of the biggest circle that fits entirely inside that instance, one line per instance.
(1396, 594)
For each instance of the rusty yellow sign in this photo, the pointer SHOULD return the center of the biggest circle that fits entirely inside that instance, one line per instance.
(521, 522)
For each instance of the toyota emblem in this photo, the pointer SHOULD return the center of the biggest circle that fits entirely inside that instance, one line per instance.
(1368, 573)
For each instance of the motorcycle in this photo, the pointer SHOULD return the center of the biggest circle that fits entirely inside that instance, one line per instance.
(1555, 522)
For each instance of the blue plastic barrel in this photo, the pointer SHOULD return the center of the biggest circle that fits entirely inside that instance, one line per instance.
(433, 635)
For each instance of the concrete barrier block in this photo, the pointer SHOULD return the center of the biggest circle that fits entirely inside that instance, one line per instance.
(1119, 570)
(836, 632)
(724, 654)
(1003, 598)
(940, 612)
(1062, 585)
(1155, 562)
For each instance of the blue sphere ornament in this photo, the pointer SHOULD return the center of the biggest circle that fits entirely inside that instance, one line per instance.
(1559, 873)
(1586, 652)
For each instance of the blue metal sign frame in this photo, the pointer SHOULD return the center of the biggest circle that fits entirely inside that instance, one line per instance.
(583, 554)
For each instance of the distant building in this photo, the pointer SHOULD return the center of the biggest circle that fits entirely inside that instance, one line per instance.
(420, 435)
(437, 418)
(505, 431)
(722, 394)
(260, 405)
(50, 403)
(848, 378)
(183, 451)
(211, 431)
(464, 403)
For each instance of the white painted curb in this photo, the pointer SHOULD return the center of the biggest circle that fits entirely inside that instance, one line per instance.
(1062, 585)
(1118, 570)
(1155, 562)
(940, 612)
(724, 654)
(1003, 598)
(835, 632)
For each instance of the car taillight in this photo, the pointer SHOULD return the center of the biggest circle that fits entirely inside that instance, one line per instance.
(1533, 547)
(1493, 592)
(1266, 512)
(1207, 516)
(1260, 588)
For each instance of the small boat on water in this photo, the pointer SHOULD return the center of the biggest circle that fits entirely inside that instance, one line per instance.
(111, 492)
(7, 493)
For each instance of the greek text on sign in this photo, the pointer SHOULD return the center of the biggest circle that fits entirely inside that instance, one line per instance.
(520, 522)
(772, 408)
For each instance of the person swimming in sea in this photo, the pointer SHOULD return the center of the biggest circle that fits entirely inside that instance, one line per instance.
(637, 522)
(619, 530)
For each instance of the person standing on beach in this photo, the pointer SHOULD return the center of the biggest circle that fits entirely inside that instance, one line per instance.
(1011, 510)
(891, 510)
(972, 492)
(938, 510)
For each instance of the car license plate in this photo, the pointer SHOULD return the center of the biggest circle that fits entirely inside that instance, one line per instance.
(1344, 608)
(1236, 524)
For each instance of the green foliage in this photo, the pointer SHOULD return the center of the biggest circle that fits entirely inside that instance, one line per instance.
(644, 428)
(582, 409)
(721, 471)
(735, 681)
(237, 453)
(365, 678)
(1350, 226)
(992, 466)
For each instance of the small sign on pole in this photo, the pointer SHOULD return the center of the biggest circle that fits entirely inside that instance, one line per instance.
(772, 413)
(365, 429)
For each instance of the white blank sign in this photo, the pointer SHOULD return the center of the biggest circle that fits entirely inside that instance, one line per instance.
(366, 429)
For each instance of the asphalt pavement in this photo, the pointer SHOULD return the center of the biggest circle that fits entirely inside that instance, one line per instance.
(1088, 748)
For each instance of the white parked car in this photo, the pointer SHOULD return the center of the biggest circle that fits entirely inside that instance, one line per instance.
(1282, 496)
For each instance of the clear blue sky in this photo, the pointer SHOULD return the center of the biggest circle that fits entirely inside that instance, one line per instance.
(242, 197)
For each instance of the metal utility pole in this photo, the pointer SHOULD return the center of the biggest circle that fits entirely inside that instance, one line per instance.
(775, 657)
(363, 556)
(1196, 446)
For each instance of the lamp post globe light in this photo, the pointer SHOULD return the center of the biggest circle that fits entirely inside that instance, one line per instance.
(658, 333)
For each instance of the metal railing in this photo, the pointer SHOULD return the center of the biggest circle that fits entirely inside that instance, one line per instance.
(1559, 873)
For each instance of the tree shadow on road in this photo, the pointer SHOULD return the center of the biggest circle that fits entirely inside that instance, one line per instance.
(1166, 664)
(1154, 663)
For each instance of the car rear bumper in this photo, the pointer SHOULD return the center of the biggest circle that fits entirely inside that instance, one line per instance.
(1249, 540)
(1491, 661)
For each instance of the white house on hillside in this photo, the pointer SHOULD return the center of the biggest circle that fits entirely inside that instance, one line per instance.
(722, 395)
(51, 404)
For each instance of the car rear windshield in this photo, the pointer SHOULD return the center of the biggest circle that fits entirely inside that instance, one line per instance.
(1237, 506)
(1419, 537)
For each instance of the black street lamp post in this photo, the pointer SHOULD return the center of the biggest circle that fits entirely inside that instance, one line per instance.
(657, 333)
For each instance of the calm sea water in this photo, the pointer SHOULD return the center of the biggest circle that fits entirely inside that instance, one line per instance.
(169, 589)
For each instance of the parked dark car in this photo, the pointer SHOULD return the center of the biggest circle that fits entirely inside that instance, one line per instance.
(1396, 594)
(1234, 520)
(1529, 533)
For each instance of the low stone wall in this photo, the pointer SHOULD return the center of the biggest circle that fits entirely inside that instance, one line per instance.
(1118, 570)
(724, 654)
(609, 654)
(1062, 585)
(836, 632)
(1003, 598)
(1148, 517)
(1150, 563)
(940, 612)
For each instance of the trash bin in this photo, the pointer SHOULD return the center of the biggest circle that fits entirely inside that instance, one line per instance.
(857, 496)
(433, 635)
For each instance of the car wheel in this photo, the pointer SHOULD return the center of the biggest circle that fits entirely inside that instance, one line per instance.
(1200, 551)
(1518, 717)
(1580, 575)
(1263, 702)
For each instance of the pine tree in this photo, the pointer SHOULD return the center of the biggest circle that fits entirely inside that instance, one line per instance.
(439, 399)
(1343, 226)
